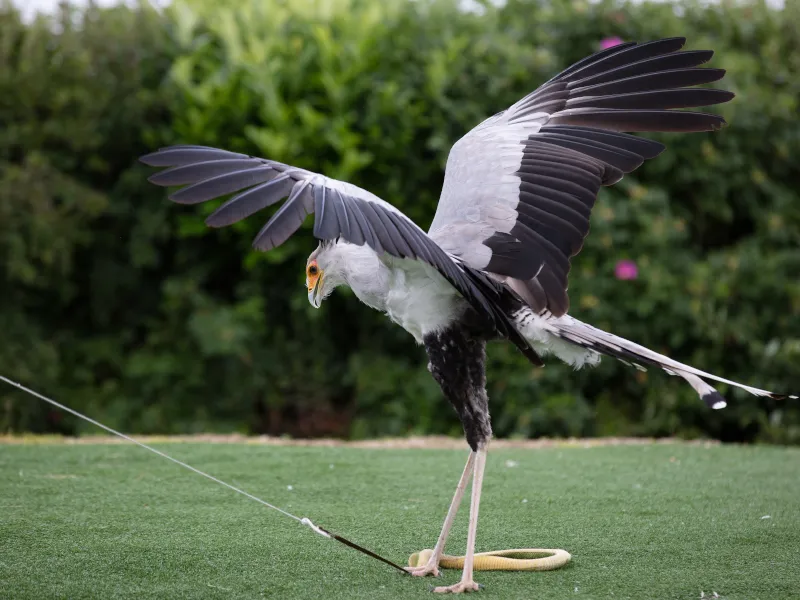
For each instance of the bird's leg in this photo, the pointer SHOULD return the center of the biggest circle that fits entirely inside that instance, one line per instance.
(467, 584)
(458, 364)
(432, 566)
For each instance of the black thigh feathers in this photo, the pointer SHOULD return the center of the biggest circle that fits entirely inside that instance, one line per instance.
(458, 363)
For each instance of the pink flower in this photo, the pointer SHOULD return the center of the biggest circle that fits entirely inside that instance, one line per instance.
(626, 269)
(610, 42)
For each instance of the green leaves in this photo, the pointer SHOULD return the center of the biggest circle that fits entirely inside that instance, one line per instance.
(126, 304)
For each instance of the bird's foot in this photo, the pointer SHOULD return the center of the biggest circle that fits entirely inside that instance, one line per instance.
(423, 563)
(431, 568)
(459, 588)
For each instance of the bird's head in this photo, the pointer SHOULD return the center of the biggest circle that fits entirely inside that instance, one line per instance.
(324, 273)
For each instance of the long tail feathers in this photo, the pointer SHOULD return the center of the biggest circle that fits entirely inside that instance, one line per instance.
(547, 333)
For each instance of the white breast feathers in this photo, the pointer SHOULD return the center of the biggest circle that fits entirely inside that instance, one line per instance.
(412, 293)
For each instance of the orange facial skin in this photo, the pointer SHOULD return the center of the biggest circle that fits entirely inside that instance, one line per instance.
(312, 275)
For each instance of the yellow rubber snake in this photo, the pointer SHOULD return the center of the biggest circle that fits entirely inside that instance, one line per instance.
(523, 559)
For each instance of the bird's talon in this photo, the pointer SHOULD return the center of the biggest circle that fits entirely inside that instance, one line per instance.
(428, 569)
(459, 588)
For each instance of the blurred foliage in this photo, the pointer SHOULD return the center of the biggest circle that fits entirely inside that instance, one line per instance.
(125, 306)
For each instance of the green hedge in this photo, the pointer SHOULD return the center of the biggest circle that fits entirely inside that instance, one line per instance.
(126, 306)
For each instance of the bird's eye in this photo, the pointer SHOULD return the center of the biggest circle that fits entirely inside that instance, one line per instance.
(312, 270)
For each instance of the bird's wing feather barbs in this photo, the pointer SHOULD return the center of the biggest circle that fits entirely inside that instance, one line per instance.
(520, 187)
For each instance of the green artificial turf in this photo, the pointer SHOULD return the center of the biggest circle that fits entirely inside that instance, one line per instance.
(653, 521)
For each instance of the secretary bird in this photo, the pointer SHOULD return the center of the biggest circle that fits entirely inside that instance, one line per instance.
(515, 206)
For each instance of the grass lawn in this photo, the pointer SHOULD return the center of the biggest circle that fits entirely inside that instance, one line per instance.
(653, 521)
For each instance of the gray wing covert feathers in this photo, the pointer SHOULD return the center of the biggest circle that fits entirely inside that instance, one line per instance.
(519, 188)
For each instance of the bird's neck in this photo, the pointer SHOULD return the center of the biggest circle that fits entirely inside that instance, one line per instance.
(363, 271)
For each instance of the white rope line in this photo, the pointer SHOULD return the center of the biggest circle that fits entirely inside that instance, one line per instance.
(304, 520)
(322, 532)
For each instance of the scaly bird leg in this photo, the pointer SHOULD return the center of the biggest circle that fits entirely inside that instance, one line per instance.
(467, 584)
(432, 566)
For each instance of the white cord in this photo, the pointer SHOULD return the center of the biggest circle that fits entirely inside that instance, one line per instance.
(322, 532)
(304, 521)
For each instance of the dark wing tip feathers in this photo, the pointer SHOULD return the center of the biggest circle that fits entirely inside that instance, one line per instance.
(594, 105)
(632, 87)
(714, 400)
(173, 156)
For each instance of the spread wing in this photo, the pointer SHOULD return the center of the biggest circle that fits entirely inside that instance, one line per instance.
(519, 188)
(341, 210)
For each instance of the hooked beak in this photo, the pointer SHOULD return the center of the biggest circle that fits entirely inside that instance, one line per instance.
(314, 292)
